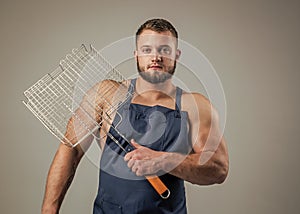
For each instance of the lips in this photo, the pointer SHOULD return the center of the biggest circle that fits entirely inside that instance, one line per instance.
(155, 67)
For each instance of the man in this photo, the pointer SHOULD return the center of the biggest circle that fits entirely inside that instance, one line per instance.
(174, 135)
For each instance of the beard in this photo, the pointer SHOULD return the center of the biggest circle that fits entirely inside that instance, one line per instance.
(156, 77)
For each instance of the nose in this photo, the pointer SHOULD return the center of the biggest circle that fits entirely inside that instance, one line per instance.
(156, 57)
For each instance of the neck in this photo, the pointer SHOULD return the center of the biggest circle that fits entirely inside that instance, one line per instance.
(155, 91)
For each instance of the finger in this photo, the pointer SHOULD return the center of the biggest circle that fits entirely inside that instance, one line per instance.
(134, 168)
(135, 144)
(137, 168)
(141, 171)
(130, 163)
(128, 156)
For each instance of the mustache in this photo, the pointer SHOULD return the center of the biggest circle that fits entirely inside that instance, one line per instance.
(154, 65)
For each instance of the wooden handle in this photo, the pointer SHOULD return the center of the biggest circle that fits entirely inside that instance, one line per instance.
(159, 186)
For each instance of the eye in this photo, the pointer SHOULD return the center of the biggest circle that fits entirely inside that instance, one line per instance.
(146, 50)
(165, 50)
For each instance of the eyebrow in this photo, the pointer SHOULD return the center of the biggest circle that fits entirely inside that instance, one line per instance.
(161, 46)
(145, 46)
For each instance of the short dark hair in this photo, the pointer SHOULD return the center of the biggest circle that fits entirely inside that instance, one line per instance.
(157, 25)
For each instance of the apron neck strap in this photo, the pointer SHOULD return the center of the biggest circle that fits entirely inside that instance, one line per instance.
(178, 99)
(131, 90)
(132, 87)
(130, 93)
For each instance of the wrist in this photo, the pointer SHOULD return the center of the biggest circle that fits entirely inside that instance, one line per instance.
(50, 209)
(170, 161)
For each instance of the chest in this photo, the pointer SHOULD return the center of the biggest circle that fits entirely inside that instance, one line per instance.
(149, 100)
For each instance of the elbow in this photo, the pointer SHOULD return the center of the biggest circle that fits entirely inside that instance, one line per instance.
(222, 172)
(216, 175)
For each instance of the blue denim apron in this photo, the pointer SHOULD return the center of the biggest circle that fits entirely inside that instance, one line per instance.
(158, 128)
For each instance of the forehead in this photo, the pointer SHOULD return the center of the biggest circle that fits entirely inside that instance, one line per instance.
(153, 38)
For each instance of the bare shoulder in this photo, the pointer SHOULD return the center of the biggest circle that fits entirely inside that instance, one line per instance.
(198, 106)
(111, 85)
(111, 92)
(197, 98)
(104, 92)
(107, 88)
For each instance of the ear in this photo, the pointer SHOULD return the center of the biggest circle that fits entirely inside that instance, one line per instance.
(178, 53)
(135, 54)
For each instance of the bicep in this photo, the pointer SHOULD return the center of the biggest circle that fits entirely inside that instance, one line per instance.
(204, 126)
(210, 142)
(87, 121)
(84, 122)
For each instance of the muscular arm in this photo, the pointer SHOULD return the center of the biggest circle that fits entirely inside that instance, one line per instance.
(202, 168)
(60, 176)
(66, 160)
(193, 170)
(206, 164)
(63, 168)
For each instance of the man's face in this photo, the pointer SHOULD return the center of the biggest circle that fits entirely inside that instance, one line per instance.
(156, 55)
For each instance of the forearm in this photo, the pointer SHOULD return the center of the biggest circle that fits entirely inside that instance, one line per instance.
(60, 176)
(190, 168)
(202, 168)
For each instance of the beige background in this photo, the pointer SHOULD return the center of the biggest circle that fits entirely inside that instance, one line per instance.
(254, 47)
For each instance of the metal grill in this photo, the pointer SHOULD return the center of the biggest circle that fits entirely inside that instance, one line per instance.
(56, 96)
(72, 91)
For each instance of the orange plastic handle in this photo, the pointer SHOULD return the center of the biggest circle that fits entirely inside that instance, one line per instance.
(159, 186)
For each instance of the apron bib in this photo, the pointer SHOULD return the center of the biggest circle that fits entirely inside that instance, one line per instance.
(158, 128)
